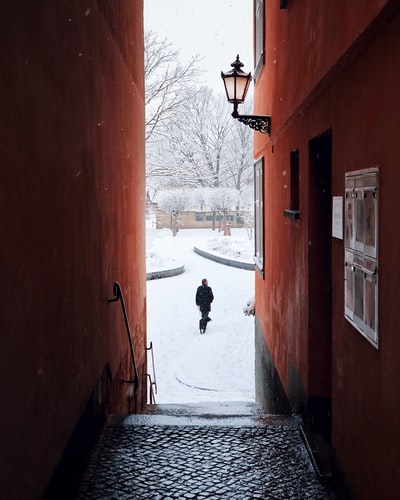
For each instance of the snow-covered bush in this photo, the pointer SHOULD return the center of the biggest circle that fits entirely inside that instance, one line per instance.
(234, 247)
(250, 309)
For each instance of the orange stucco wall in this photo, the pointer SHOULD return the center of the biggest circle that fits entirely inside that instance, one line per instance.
(333, 69)
(71, 222)
(310, 31)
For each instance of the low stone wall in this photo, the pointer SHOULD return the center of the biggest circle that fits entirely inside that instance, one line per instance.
(167, 273)
(223, 260)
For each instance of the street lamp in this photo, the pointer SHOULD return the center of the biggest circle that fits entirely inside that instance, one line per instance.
(237, 83)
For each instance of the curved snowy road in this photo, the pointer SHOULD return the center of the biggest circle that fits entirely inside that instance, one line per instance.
(216, 366)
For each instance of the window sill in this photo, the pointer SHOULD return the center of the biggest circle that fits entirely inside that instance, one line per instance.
(292, 214)
(259, 265)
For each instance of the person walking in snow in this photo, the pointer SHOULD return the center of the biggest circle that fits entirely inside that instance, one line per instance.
(204, 297)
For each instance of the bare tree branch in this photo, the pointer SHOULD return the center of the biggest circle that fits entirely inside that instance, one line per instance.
(191, 141)
(168, 83)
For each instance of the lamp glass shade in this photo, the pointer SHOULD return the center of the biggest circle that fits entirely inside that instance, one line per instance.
(236, 84)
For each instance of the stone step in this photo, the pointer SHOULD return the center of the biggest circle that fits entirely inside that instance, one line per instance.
(228, 408)
(228, 414)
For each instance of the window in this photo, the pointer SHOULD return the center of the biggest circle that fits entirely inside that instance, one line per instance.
(361, 252)
(294, 181)
(258, 37)
(294, 211)
(199, 217)
(259, 213)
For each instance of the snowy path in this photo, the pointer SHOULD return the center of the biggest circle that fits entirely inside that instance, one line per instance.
(217, 366)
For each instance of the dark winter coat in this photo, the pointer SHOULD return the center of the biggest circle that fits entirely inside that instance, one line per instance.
(204, 297)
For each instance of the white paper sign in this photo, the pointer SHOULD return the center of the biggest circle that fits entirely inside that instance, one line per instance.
(337, 217)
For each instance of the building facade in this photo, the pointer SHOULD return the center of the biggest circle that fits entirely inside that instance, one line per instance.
(200, 219)
(72, 203)
(328, 235)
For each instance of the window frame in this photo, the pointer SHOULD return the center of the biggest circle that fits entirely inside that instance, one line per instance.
(259, 36)
(294, 183)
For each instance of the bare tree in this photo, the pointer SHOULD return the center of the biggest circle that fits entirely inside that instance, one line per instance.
(219, 200)
(198, 139)
(247, 208)
(174, 201)
(239, 151)
(168, 83)
(191, 141)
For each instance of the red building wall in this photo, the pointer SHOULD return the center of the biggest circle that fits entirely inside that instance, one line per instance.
(71, 222)
(330, 72)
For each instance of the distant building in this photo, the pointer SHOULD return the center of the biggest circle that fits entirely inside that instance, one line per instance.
(192, 219)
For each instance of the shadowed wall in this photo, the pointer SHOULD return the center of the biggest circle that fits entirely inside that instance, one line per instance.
(330, 74)
(71, 222)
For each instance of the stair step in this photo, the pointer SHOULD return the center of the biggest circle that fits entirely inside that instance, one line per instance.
(228, 414)
(229, 408)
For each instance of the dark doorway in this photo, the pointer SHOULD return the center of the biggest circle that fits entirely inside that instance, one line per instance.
(320, 285)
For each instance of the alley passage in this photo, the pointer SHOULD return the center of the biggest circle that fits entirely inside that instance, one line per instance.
(217, 451)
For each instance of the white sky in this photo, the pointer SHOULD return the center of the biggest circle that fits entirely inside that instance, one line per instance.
(218, 30)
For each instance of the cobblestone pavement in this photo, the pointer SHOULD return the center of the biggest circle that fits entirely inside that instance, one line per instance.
(215, 458)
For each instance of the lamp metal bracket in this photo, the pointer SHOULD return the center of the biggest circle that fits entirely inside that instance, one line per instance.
(260, 123)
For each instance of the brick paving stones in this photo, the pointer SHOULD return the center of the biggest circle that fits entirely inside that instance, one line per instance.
(213, 458)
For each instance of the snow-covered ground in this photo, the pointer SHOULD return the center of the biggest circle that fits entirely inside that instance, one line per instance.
(216, 366)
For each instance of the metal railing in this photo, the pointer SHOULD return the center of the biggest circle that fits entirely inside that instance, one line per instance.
(118, 295)
(152, 381)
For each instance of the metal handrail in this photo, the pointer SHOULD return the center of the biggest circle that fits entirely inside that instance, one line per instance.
(152, 396)
(118, 295)
(151, 391)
